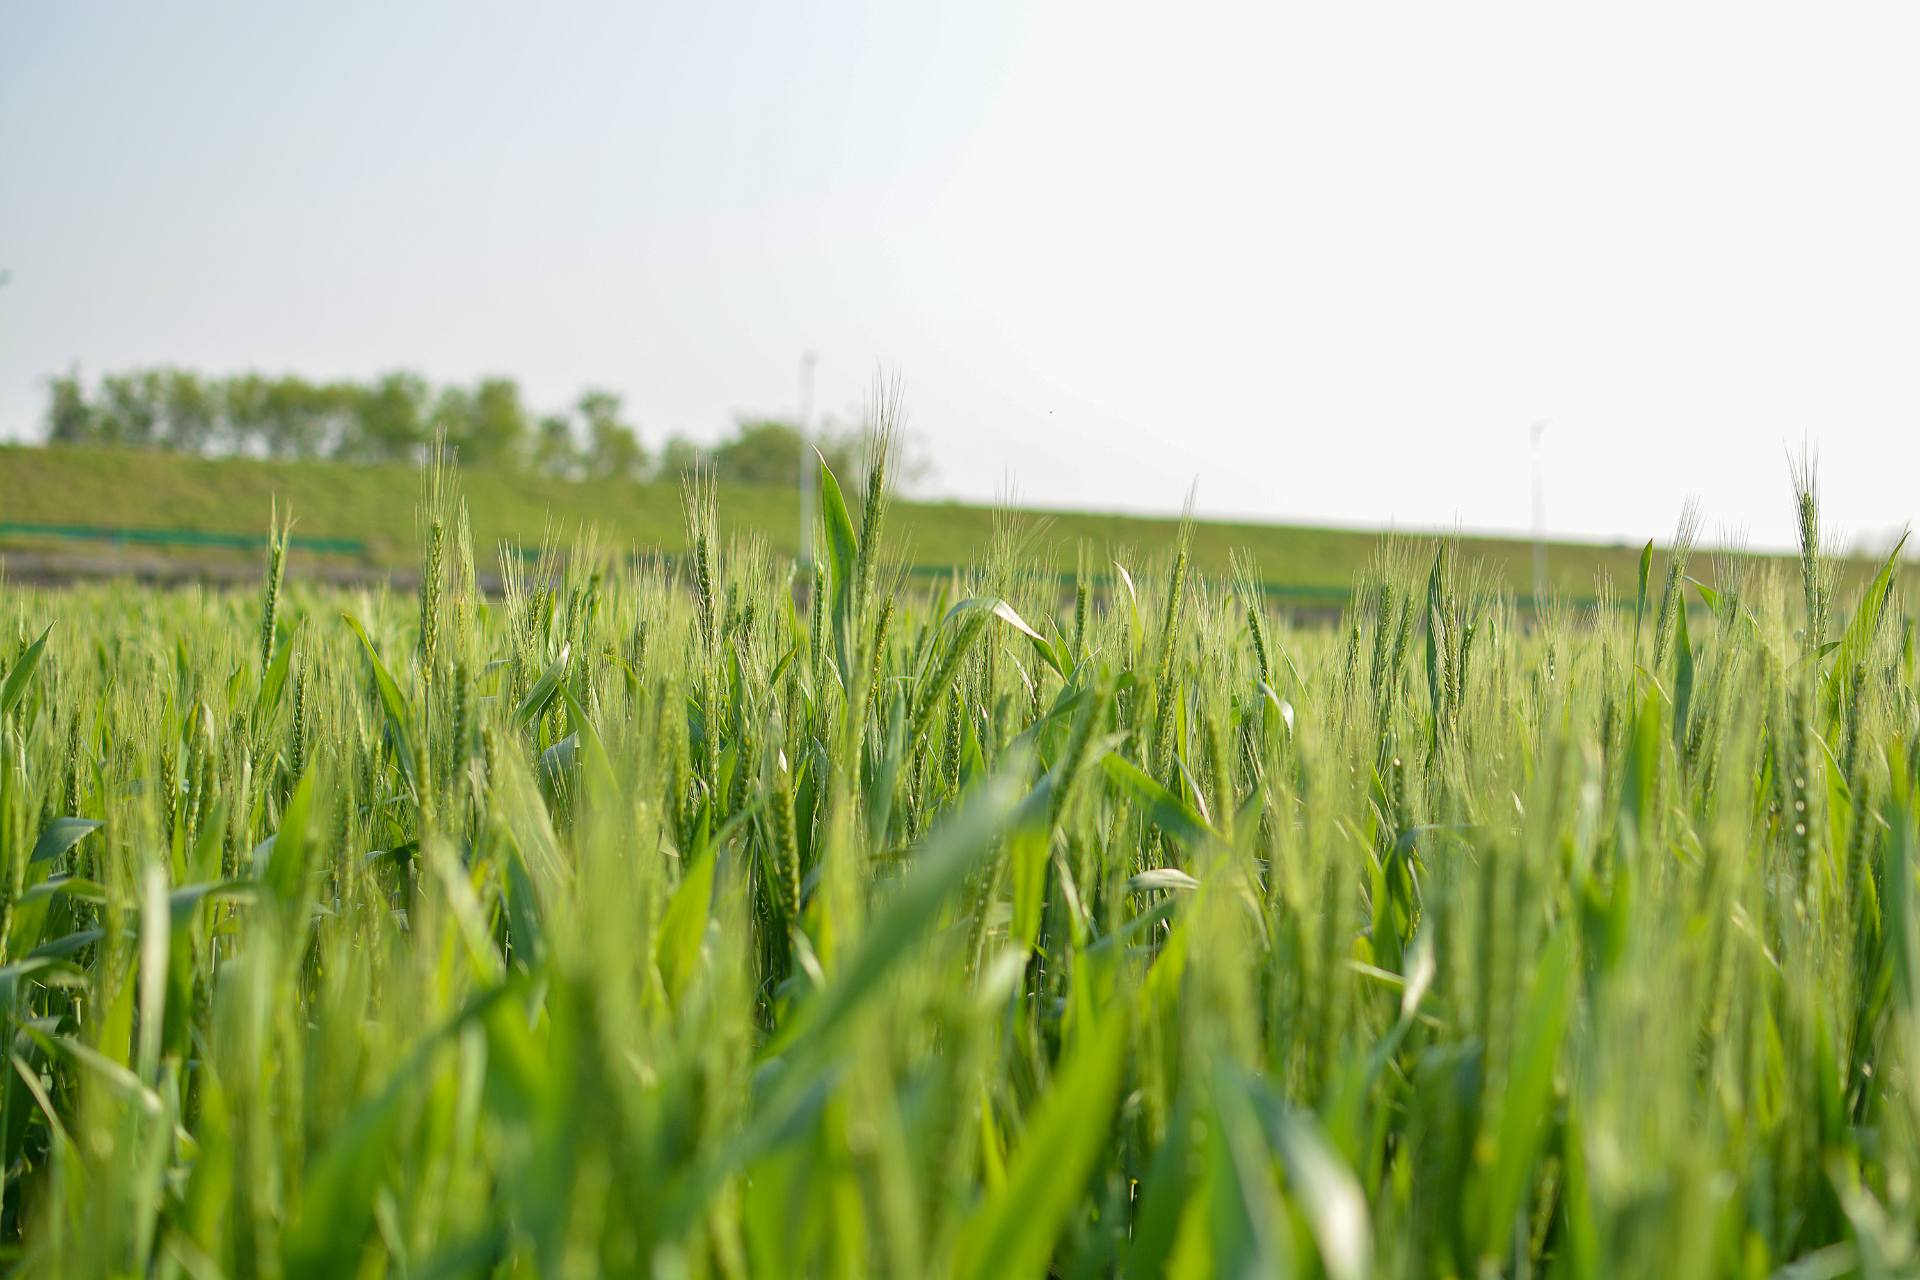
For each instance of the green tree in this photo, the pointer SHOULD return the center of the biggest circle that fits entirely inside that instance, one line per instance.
(452, 417)
(488, 425)
(555, 452)
(130, 408)
(190, 407)
(614, 450)
(70, 418)
(389, 420)
(678, 457)
(243, 400)
(771, 453)
(761, 452)
(302, 419)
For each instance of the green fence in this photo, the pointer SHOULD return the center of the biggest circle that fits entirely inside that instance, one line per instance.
(200, 538)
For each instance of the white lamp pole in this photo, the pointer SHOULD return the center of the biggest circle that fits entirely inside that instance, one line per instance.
(807, 474)
(1539, 520)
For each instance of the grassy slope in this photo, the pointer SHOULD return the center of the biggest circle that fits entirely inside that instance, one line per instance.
(376, 504)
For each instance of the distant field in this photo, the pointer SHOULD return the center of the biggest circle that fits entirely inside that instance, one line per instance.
(375, 504)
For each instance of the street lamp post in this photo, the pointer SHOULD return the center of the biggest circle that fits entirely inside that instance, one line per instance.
(1539, 520)
(807, 477)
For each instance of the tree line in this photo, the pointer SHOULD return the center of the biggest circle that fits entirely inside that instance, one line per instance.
(397, 417)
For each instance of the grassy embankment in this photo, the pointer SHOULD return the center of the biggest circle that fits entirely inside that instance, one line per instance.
(375, 504)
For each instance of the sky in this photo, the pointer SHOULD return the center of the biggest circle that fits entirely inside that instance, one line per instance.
(1314, 262)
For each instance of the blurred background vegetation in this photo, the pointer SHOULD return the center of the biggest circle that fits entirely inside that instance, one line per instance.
(397, 416)
(172, 451)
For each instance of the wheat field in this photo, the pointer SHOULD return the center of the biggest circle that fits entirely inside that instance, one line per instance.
(739, 918)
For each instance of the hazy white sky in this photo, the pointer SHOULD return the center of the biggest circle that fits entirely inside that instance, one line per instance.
(1328, 260)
